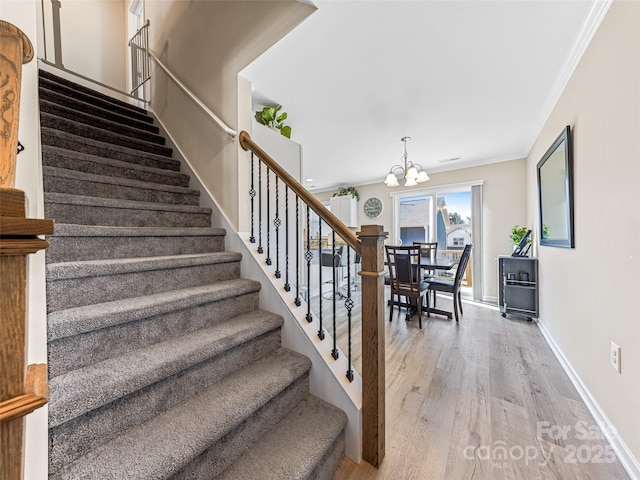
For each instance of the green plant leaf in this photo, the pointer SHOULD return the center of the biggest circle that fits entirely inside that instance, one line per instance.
(281, 117)
(286, 131)
(517, 232)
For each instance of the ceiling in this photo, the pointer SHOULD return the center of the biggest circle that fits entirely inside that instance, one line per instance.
(473, 80)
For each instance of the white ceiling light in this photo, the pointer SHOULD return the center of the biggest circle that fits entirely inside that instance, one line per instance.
(412, 173)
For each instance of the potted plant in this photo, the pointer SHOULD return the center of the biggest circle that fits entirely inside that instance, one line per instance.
(347, 191)
(269, 117)
(517, 232)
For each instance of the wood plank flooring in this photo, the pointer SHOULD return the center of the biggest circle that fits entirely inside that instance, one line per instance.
(485, 399)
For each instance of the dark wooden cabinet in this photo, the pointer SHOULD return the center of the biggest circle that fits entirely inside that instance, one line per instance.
(518, 286)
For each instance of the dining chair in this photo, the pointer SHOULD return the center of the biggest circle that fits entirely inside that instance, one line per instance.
(453, 286)
(330, 261)
(428, 249)
(403, 263)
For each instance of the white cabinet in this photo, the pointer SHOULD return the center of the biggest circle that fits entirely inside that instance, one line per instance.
(346, 209)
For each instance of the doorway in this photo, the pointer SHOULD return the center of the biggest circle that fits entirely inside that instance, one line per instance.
(447, 215)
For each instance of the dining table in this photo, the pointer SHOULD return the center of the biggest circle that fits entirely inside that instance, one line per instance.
(431, 264)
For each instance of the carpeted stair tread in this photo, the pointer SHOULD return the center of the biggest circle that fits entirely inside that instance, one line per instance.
(90, 268)
(66, 142)
(79, 391)
(70, 199)
(104, 111)
(79, 209)
(66, 229)
(74, 321)
(106, 124)
(172, 439)
(59, 180)
(73, 242)
(88, 131)
(75, 89)
(75, 284)
(57, 157)
(295, 447)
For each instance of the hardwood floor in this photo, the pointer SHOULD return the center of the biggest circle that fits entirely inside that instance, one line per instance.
(485, 399)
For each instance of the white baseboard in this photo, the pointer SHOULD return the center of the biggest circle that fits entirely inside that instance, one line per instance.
(627, 459)
(493, 300)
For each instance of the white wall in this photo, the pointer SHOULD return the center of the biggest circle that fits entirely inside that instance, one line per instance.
(206, 45)
(93, 39)
(589, 294)
(505, 205)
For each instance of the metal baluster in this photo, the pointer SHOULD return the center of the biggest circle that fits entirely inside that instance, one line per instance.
(252, 194)
(277, 222)
(308, 256)
(320, 330)
(348, 303)
(268, 260)
(287, 286)
(334, 352)
(260, 249)
(298, 301)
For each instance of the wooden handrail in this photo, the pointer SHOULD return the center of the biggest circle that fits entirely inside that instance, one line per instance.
(369, 243)
(18, 238)
(247, 143)
(35, 396)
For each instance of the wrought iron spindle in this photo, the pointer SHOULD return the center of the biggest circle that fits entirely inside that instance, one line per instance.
(308, 255)
(260, 249)
(320, 329)
(298, 301)
(287, 286)
(268, 260)
(334, 351)
(348, 303)
(277, 222)
(252, 194)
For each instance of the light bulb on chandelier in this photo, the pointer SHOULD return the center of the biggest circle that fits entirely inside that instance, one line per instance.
(412, 173)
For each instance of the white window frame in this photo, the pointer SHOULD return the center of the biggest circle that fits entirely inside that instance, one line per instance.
(394, 235)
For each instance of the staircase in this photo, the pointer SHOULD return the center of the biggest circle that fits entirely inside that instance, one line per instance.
(161, 363)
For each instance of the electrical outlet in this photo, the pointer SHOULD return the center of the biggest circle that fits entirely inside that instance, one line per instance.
(614, 357)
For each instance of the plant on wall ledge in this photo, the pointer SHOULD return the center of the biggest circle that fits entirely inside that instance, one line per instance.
(517, 232)
(347, 191)
(269, 117)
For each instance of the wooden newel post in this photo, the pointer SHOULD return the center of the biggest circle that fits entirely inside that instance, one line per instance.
(373, 358)
(15, 49)
(22, 389)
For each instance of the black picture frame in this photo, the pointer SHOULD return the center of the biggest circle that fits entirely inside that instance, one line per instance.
(555, 193)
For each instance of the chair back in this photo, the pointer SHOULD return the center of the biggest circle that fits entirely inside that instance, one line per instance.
(403, 263)
(462, 264)
(428, 249)
(327, 257)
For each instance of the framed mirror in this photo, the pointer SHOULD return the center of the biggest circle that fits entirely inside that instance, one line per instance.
(555, 193)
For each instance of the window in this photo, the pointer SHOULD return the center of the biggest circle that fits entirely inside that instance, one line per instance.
(450, 215)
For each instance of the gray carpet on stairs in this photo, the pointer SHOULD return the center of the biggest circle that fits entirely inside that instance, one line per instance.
(161, 363)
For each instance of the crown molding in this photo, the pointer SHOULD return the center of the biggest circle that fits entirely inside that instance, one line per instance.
(594, 18)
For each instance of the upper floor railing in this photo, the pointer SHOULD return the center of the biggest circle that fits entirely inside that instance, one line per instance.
(140, 68)
(141, 57)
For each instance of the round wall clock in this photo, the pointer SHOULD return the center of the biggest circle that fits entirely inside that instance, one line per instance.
(373, 207)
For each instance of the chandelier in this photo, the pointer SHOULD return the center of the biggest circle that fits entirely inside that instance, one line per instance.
(412, 173)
